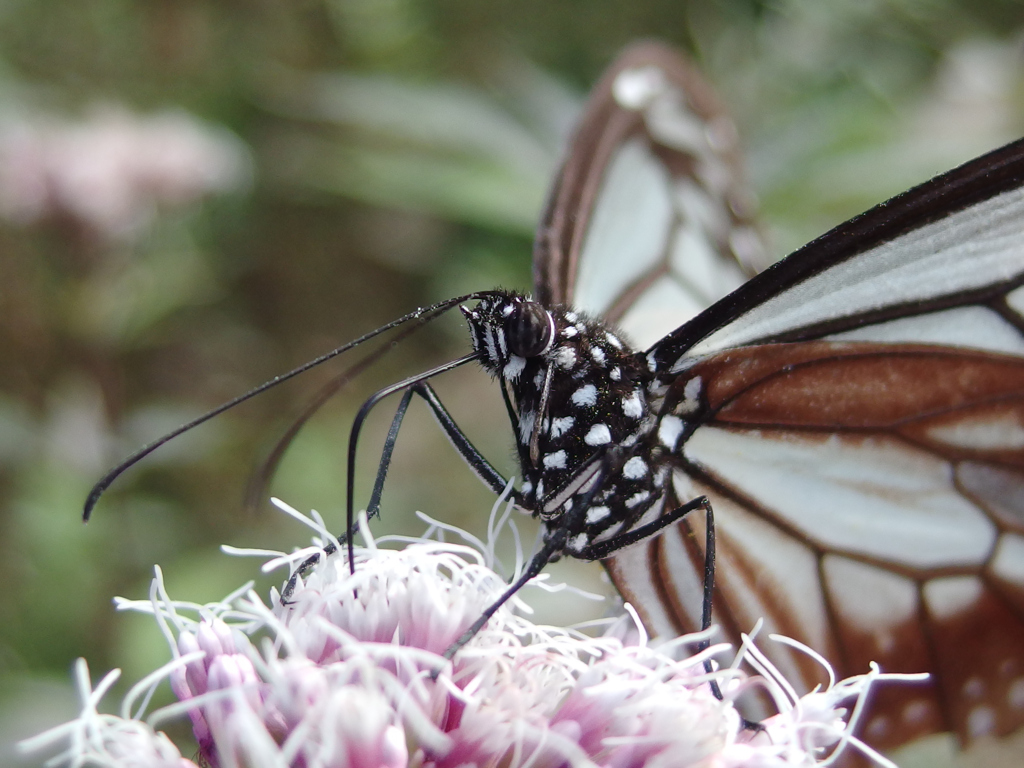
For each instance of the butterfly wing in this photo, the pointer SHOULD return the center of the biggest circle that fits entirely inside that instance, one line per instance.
(862, 443)
(648, 222)
(861, 435)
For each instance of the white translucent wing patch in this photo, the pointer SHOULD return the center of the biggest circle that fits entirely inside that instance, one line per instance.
(875, 497)
(664, 240)
(973, 248)
(664, 304)
(972, 327)
(629, 228)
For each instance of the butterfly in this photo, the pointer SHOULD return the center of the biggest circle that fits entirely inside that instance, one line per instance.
(854, 414)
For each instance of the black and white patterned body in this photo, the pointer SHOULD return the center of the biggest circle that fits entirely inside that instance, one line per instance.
(582, 404)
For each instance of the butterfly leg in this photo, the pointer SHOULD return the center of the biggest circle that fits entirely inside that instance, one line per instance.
(550, 550)
(372, 509)
(608, 547)
(476, 461)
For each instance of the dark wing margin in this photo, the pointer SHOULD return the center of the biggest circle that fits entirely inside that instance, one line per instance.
(650, 206)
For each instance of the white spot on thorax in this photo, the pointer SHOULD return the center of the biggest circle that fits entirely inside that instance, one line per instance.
(615, 373)
(634, 469)
(569, 332)
(632, 406)
(565, 357)
(578, 542)
(560, 426)
(637, 499)
(585, 396)
(598, 356)
(555, 460)
(597, 514)
(599, 434)
(613, 340)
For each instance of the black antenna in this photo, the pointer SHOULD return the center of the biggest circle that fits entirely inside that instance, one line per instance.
(261, 478)
(426, 313)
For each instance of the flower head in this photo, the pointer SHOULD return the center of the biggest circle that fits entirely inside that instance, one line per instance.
(349, 672)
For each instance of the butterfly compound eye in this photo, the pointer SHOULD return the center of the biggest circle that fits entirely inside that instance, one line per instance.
(528, 329)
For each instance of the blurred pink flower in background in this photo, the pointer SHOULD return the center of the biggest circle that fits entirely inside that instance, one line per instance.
(113, 170)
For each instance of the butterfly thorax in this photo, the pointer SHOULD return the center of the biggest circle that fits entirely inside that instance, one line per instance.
(578, 392)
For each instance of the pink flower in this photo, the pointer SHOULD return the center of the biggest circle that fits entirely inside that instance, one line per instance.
(113, 170)
(348, 673)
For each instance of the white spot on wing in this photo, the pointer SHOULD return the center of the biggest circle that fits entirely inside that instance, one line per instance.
(947, 597)
(669, 430)
(635, 88)
(1015, 696)
(984, 432)
(981, 721)
(1008, 559)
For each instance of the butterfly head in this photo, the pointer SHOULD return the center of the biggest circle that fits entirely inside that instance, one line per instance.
(507, 329)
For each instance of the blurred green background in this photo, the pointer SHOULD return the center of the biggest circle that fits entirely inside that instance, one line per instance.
(198, 195)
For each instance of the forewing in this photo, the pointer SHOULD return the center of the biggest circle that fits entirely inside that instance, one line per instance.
(938, 264)
(648, 222)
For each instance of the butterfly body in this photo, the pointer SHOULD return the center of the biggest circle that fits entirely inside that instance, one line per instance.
(581, 408)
